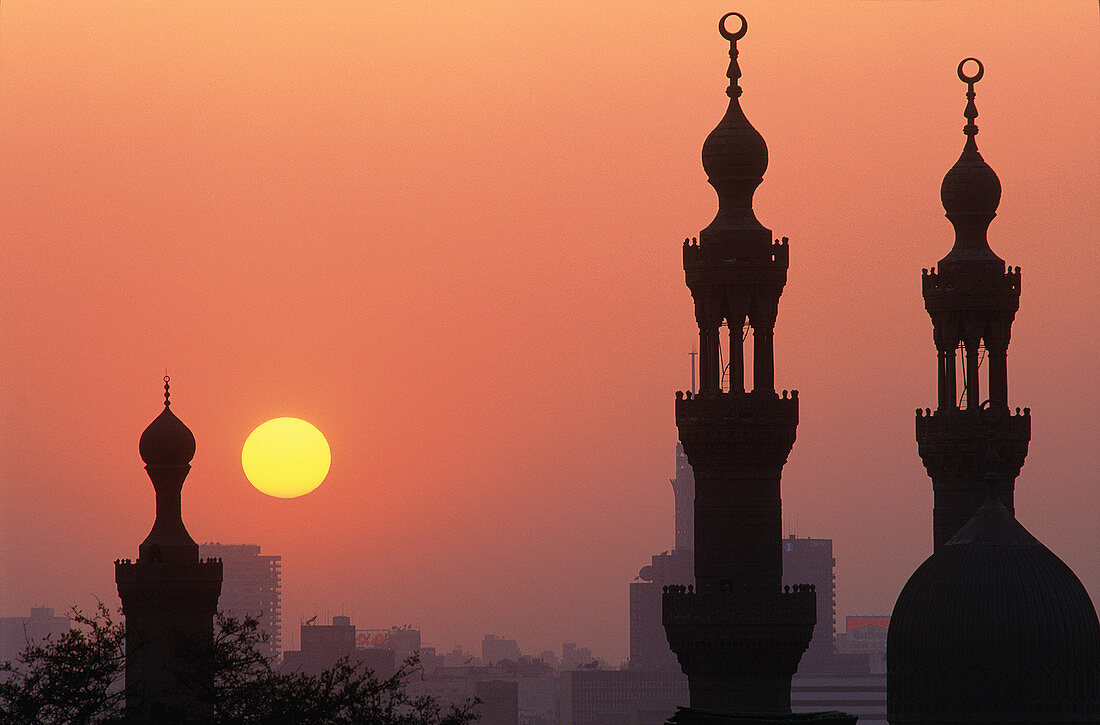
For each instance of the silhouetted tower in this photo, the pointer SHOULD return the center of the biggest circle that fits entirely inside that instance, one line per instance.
(972, 299)
(738, 636)
(169, 596)
(993, 627)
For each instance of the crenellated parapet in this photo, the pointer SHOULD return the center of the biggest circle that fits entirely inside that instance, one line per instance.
(685, 606)
(954, 280)
(737, 430)
(739, 650)
(971, 295)
(964, 443)
(732, 278)
(194, 584)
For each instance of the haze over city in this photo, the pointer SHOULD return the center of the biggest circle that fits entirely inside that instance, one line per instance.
(449, 236)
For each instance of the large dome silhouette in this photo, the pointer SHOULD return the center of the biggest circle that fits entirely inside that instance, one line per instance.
(993, 628)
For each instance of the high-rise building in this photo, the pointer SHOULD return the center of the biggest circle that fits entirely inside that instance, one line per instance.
(737, 634)
(993, 626)
(251, 587)
(169, 595)
(811, 561)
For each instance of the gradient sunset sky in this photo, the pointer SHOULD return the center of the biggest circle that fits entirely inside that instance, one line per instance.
(449, 235)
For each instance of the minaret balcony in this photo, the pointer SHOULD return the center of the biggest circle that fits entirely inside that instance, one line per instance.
(969, 288)
(185, 574)
(961, 444)
(683, 606)
(756, 633)
(756, 428)
(766, 265)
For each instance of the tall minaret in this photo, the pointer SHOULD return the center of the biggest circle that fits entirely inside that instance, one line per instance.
(169, 596)
(972, 300)
(738, 635)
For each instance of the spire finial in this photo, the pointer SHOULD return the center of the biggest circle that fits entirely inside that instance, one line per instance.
(734, 71)
(971, 112)
(167, 394)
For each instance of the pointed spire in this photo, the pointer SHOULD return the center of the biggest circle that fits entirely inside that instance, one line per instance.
(734, 72)
(971, 112)
(971, 190)
(735, 158)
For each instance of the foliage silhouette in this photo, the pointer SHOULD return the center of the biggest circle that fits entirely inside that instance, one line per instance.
(77, 680)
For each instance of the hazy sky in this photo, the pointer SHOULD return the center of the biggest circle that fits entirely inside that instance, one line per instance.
(449, 235)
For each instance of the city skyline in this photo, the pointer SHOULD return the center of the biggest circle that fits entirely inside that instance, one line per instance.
(451, 240)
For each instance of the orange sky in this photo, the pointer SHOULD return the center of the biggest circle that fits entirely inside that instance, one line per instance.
(448, 234)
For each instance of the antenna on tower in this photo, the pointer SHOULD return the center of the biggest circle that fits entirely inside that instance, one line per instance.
(692, 354)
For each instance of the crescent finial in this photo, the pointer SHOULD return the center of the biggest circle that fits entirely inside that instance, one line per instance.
(734, 36)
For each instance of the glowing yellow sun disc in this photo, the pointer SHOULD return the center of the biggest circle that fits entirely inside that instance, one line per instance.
(286, 457)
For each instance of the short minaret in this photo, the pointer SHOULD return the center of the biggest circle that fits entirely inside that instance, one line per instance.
(972, 299)
(169, 596)
(737, 634)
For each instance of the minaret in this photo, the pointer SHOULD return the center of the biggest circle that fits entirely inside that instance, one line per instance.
(169, 596)
(993, 627)
(737, 634)
(972, 300)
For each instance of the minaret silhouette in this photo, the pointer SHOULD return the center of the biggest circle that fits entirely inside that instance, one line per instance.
(169, 596)
(993, 627)
(738, 635)
(972, 300)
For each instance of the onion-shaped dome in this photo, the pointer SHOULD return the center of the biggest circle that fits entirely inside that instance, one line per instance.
(971, 187)
(735, 156)
(993, 628)
(971, 191)
(167, 441)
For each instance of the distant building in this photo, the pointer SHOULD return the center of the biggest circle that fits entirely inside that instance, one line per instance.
(495, 649)
(648, 644)
(865, 635)
(863, 695)
(404, 641)
(810, 561)
(323, 645)
(573, 656)
(620, 697)
(251, 587)
(513, 694)
(18, 633)
(499, 702)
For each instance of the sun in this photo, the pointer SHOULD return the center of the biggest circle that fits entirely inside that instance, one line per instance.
(286, 457)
